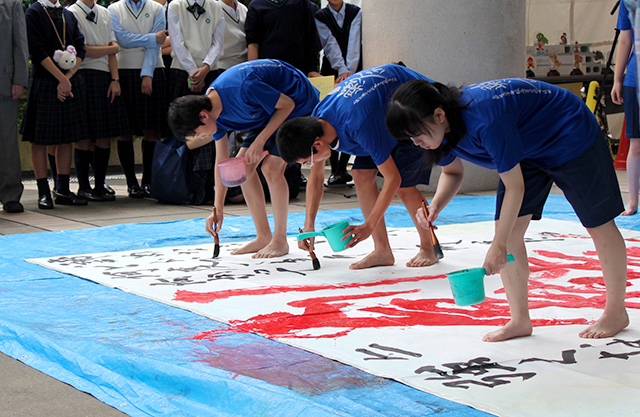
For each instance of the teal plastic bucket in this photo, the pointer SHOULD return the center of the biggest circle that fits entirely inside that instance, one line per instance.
(333, 233)
(467, 285)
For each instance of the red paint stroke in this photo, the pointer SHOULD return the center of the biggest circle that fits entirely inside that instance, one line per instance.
(208, 297)
(338, 315)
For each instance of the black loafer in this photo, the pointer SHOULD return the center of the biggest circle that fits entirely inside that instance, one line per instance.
(109, 190)
(45, 202)
(135, 191)
(69, 199)
(90, 195)
(146, 188)
(13, 207)
(104, 195)
(339, 179)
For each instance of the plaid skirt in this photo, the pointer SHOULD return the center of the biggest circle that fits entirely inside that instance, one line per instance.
(179, 87)
(49, 121)
(204, 158)
(145, 112)
(104, 118)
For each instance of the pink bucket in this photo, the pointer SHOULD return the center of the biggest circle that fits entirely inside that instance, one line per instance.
(233, 171)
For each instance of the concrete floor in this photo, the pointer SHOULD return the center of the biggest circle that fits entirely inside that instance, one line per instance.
(25, 392)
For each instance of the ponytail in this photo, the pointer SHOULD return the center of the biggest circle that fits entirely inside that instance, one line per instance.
(413, 105)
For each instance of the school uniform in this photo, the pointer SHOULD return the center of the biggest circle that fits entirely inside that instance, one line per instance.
(14, 71)
(356, 108)
(105, 119)
(135, 26)
(250, 91)
(234, 48)
(340, 37)
(554, 137)
(197, 32)
(284, 30)
(47, 120)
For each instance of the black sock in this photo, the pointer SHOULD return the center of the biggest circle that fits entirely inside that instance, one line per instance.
(147, 160)
(82, 159)
(63, 184)
(43, 186)
(54, 169)
(127, 161)
(100, 165)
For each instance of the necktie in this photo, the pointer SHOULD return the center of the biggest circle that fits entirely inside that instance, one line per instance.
(196, 10)
(91, 17)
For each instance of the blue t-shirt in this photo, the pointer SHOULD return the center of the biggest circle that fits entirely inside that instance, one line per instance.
(249, 93)
(514, 119)
(357, 107)
(624, 23)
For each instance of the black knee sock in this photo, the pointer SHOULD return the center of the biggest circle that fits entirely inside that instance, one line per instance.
(82, 159)
(43, 186)
(63, 184)
(127, 161)
(342, 164)
(54, 169)
(100, 165)
(147, 160)
(333, 159)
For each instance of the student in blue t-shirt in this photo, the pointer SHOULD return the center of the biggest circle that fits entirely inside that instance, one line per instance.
(258, 96)
(351, 119)
(626, 58)
(533, 134)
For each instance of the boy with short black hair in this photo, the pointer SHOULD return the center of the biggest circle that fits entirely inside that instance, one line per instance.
(256, 95)
(351, 119)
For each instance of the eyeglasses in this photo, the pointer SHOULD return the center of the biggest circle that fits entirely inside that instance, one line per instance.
(310, 162)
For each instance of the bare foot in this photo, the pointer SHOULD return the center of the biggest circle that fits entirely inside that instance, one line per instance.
(423, 258)
(273, 250)
(606, 326)
(375, 258)
(629, 210)
(253, 246)
(509, 331)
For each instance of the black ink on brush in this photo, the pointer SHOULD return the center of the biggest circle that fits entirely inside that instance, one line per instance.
(216, 238)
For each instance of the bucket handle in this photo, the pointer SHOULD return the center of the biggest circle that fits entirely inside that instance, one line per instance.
(306, 235)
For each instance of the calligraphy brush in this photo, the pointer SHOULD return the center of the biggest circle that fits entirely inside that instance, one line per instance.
(437, 250)
(216, 247)
(316, 262)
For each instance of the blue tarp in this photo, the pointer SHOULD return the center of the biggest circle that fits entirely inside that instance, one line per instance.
(149, 359)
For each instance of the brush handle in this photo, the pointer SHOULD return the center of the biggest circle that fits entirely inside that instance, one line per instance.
(437, 250)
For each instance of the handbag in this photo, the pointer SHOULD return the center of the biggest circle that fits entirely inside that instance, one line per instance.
(172, 172)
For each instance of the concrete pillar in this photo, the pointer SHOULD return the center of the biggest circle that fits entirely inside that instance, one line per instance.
(456, 42)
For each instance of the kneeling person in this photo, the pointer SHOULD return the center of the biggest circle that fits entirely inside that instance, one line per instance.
(351, 119)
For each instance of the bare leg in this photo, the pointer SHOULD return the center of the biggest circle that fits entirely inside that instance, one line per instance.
(254, 196)
(273, 169)
(367, 191)
(412, 200)
(63, 158)
(39, 161)
(515, 277)
(613, 260)
(633, 177)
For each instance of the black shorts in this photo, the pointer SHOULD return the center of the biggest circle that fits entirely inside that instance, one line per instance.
(631, 111)
(410, 160)
(588, 182)
(270, 145)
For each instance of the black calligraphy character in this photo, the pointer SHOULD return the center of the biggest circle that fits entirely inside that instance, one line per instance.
(625, 356)
(378, 356)
(279, 269)
(568, 357)
(489, 381)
